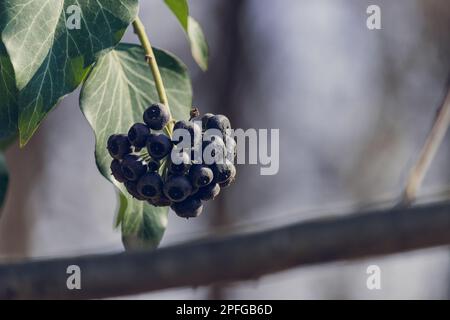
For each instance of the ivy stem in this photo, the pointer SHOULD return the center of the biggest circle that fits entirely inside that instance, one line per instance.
(139, 29)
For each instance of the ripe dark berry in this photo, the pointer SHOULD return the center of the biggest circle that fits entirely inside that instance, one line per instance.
(132, 189)
(205, 119)
(226, 184)
(150, 185)
(196, 155)
(200, 175)
(138, 134)
(219, 122)
(194, 190)
(190, 208)
(214, 151)
(224, 171)
(177, 188)
(158, 146)
(229, 181)
(192, 128)
(231, 148)
(160, 201)
(153, 165)
(116, 171)
(181, 165)
(157, 116)
(209, 192)
(132, 168)
(118, 146)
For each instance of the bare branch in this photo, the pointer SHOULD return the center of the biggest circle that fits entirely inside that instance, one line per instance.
(233, 258)
(428, 152)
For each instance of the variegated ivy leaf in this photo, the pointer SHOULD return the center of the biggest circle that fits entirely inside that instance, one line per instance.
(114, 97)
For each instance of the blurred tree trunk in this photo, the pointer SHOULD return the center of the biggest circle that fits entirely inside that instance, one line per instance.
(25, 166)
(227, 62)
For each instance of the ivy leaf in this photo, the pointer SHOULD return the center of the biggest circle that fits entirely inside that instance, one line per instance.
(197, 40)
(8, 95)
(180, 9)
(199, 46)
(115, 95)
(142, 225)
(50, 60)
(3, 179)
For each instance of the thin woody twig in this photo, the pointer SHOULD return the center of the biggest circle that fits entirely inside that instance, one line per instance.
(427, 153)
(232, 258)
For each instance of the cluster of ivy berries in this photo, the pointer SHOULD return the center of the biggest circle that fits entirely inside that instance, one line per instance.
(181, 172)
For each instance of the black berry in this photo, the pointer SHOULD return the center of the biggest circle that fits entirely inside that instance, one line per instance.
(209, 192)
(227, 183)
(157, 116)
(150, 185)
(214, 151)
(132, 189)
(183, 163)
(231, 148)
(158, 146)
(153, 165)
(194, 130)
(133, 168)
(219, 122)
(118, 146)
(205, 119)
(160, 201)
(116, 171)
(231, 178)
(200, 175)
(190, 208)
(224, 171)
(177, 188)
(138, 134)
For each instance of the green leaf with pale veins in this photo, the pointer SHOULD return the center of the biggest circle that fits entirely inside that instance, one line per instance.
(8, 96)
(8, 116)
(180, 9)
(49, 59)
(197, 40)
(3, 179)
(114, 97)
(199, 46)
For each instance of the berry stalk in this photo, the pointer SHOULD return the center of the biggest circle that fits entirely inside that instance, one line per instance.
(139, 29)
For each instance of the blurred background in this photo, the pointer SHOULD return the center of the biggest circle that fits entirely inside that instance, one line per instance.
(353, 107)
